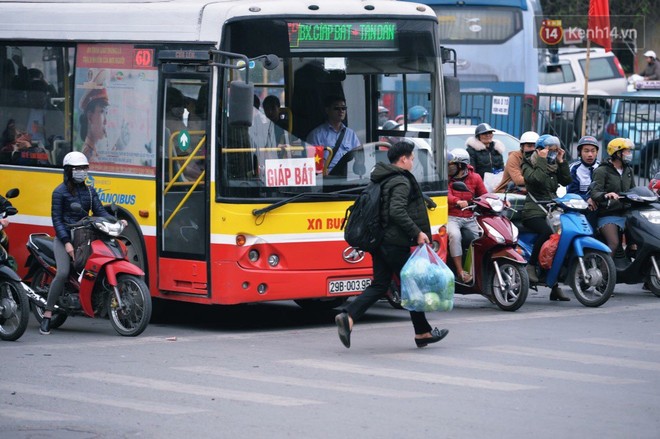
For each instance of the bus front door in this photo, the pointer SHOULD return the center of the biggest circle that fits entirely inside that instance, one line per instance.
(183, 229)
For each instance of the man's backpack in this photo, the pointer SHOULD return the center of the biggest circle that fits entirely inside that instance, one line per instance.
(362, 226)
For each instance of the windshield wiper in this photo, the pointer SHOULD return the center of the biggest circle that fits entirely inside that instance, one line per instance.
(334, 194)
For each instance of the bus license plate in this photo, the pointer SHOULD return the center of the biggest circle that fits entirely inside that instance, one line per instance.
(348, 285)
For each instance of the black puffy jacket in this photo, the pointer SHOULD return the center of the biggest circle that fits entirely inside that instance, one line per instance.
(402, 207)
(62, 214)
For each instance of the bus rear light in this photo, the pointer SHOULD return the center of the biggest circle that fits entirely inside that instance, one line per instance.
(253, 255)
(144, 213)
(262, 288)
(240, 240)
(273, 260)
(435, 245)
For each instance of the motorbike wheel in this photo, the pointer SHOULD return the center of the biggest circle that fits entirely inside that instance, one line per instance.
(601, 267)
(14, 310)
(133, 316)
(393, 296)
(41, 284)
(653, 282)
(516, 285)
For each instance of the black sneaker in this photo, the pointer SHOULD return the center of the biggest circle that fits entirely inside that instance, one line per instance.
(44, 328)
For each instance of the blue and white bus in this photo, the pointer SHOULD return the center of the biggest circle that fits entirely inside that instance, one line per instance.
(496, 54)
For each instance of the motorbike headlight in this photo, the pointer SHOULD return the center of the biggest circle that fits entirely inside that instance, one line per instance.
(577, 204)
(109, 228)
(497, 236)
(495, 204)
(652, 216)
(554, 220)
(514, 232)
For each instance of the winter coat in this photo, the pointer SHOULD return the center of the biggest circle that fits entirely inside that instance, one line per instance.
(512, 172)
(402, 207)
(62, 213)
(607, 179)
(477, 188)
(582, 176)
(485, 158)
(541, 183)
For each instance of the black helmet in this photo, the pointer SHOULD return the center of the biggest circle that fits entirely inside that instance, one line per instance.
(483, 128)
(587, 140)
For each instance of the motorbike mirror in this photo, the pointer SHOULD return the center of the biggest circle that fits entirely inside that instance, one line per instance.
(11, 211)
(12, 193)
(460, 186)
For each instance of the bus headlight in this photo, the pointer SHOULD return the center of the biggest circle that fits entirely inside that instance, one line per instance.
(253, 255)
(273, 260)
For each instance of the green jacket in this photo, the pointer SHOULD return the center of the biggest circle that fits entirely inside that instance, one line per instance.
(402, 206)
(542, 183)
(606, 179)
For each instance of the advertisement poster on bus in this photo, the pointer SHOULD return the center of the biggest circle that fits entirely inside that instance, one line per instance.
(115, 114)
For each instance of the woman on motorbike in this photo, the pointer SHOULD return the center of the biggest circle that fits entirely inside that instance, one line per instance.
(609, 180)
(72, 190)
(462, 221)
(544, 170)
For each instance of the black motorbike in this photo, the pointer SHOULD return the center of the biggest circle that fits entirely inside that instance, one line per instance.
(14, 303)
(642, 216)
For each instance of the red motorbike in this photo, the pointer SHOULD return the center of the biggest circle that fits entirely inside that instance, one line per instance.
(107, 286)
(498, 270)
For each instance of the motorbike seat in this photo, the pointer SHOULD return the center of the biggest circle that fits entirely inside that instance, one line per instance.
(44, 243)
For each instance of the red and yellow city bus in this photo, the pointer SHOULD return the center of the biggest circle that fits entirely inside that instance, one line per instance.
(224, 205)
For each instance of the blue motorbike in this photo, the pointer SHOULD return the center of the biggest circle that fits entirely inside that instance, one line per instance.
(581, 261)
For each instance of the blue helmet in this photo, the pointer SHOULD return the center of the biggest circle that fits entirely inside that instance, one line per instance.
(556, 107)
(417, 112)
(547, 140)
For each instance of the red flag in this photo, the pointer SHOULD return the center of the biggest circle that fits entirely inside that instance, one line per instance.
(599, 23)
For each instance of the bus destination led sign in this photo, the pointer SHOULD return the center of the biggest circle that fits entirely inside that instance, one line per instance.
(317, 36)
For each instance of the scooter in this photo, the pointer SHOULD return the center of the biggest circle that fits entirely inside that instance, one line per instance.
(643, 226)
(108, 285)
(14, 304)
(580, 260)
(498, 270)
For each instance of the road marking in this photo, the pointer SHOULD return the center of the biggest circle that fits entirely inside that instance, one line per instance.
(34, 415)
(192, 389)
(460, 363)
(400, 374)
(302, 382)
(620, 343)
(571, 356)
(141, 405)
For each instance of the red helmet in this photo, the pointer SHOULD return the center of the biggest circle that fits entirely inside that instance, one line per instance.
(654, 184)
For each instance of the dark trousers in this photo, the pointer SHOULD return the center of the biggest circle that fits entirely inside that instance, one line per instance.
(538, 225)
(387, 262)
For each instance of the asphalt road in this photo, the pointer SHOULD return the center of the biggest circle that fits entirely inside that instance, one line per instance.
(549, 370)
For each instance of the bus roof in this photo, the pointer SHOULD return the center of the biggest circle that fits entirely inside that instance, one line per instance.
(168, 20)
(521, 4)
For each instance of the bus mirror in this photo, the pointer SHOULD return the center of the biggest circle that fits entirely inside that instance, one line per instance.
(240, 104)
(452, 96)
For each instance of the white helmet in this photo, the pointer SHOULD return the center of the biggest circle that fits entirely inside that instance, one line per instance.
(529, 137)
(75, 158)
(459, 155)
(650, 53)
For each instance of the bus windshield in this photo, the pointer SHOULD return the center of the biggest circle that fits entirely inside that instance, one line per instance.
(374, 70)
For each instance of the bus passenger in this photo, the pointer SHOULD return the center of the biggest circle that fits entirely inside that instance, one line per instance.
(609, 180)
(544, 170)
(334, 133)
(404, 211)
(485, 152)
(72, 190)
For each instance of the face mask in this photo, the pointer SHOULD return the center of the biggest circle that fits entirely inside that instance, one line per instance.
(552, 157)
(627, 157)
(528, 154)
(79, 175)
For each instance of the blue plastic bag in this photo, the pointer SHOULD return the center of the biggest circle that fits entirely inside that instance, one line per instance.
(427, 284)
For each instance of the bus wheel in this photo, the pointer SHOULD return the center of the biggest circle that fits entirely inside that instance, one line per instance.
(321, 304)
(131, 238)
